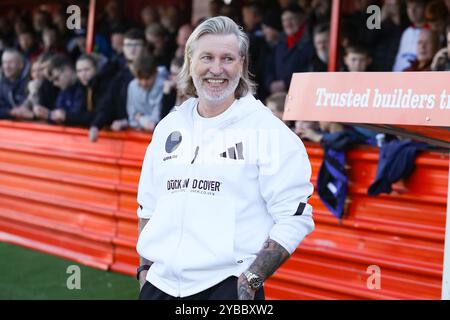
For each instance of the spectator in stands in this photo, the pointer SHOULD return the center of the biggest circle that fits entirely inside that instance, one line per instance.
(169, 20)
(59, 19)
(20, 25)
(6, 32)
(13, 85)
(441, 60)
(149, 15)
(171, 96)
(51, 41)
(117, 37)
(111, 17)
(408, 43)
(41, 20)
(94, 86)
(157, 36)
(427, 46)
(275, 103)
(321, 38)
(230, 11)
(113, 110)
(252, 16)
(28, 45)
(70, 108)
(385, 41)
(77, 43)
(47, 92)
(293, 52)
(316, 135)
(145, 93)
(76, 46)
(214, 7)
(356, 22)
(436, 15)
(182, 36)
(357, 58)
(319, 12)
(284, 3)
(272, 30)
(37, 76)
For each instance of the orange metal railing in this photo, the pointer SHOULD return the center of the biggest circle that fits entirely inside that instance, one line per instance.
(63, 195)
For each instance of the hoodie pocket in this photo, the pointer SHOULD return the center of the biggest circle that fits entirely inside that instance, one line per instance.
(159, 238)
(208, 233)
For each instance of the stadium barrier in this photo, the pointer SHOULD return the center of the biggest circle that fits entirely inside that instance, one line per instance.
(63, 195)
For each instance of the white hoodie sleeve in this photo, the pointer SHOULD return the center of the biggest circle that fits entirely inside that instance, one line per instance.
(286, 188)
(146, 197)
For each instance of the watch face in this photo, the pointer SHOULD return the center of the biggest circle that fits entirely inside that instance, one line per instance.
(255, 283)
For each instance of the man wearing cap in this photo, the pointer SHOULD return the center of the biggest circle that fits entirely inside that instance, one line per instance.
(271, 28)
(224, 184)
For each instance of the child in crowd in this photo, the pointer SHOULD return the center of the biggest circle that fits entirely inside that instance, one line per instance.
(357, 58)
(275, 103)
(145, 93)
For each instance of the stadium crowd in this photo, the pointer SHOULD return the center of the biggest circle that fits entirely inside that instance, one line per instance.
(130, 78)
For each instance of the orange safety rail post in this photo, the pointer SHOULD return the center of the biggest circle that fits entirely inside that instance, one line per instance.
(90, 27)
(63, 195)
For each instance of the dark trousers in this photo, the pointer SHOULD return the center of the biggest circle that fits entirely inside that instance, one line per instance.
(225, 290)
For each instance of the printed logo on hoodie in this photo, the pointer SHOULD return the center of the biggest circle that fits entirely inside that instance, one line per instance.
(172, 143)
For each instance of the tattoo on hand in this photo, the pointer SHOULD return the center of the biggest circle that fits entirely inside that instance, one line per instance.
(269, 259)
(244, 291)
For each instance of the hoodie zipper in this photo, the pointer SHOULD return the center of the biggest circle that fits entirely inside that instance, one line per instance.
(191, 167)
(195, 155)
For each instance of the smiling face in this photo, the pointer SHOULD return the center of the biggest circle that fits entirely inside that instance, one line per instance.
(291, 22)
(427, 46)
(12, 64)
(216, 67)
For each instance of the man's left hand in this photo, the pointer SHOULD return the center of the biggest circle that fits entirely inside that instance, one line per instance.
(244, 290)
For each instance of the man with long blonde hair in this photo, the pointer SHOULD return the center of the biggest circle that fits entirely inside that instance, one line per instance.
(224, 184)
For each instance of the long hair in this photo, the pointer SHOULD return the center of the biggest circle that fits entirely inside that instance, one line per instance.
(217, 25)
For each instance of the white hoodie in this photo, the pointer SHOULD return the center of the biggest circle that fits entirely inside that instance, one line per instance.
(215, 189)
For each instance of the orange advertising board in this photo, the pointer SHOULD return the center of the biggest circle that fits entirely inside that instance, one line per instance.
(398, 98)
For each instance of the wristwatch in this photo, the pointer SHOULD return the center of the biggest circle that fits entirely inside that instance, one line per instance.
(141, 268)
(254, 281)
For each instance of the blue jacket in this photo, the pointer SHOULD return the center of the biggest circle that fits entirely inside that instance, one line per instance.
(73, 102)
(12, 93)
